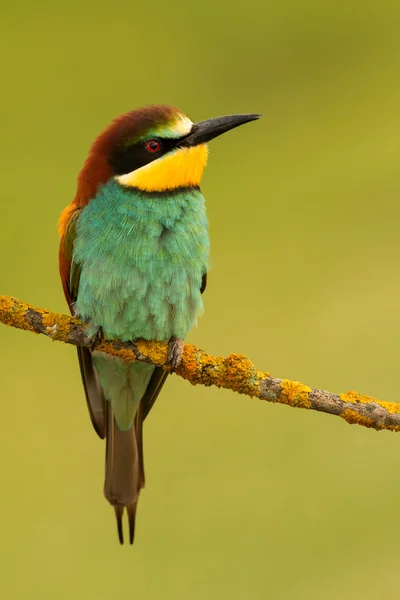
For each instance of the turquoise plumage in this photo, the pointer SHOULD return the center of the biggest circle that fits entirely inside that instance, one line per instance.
(142, 258)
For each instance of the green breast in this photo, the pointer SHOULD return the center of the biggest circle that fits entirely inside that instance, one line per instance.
(142, 259)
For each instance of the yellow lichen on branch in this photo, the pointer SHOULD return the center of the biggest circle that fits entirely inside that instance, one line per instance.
(353, 418)
(295, 394)
(23, 316)
(356, 398)
(235, 372)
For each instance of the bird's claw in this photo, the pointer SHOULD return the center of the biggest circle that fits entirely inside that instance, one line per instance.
(96, 337)
(175, 351)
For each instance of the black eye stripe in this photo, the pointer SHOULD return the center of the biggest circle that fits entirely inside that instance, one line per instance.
(130, 158)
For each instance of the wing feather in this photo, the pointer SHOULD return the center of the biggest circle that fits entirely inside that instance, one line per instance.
(70, 274)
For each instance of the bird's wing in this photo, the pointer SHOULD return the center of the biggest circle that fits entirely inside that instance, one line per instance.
(70, 274)
(156, 382)
(203, 283)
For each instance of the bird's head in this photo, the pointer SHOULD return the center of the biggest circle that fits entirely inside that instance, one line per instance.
(154, 149)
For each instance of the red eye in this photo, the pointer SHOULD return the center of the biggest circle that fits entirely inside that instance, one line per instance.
(153, 146)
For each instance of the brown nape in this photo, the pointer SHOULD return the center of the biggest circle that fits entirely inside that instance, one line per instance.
(96, 169)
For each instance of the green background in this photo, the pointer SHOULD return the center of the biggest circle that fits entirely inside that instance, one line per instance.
(243, 499)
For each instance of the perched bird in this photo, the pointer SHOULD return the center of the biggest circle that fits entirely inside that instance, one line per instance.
(133, 263)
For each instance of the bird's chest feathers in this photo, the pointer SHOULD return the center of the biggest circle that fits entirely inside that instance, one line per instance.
(142, 259)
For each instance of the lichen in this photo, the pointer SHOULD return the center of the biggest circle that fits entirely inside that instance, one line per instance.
(12, 312)
(235, 372)
(63, 324)
(121, 352)
(241, 375)
(263, 375)
(155, 351)
(356, 398)
(354, 418)
(295, 393)
(190, 359)
(192, 365)
(391, 427)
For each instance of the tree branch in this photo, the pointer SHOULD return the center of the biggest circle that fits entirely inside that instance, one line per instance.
(234, 372)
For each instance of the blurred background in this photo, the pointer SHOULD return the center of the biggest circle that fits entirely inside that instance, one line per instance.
(243, 499)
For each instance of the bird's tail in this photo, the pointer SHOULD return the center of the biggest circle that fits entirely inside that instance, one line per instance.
(124, 476)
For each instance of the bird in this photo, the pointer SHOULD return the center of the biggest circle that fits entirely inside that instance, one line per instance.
(133, 261)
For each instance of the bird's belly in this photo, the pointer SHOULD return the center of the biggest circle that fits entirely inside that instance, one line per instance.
(153, 300)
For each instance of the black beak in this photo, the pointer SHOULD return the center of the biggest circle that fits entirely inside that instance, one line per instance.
(205, 131)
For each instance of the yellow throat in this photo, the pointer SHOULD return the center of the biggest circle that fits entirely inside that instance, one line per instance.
(181, 168)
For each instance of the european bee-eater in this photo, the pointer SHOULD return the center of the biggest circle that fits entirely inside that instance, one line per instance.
(133, 263)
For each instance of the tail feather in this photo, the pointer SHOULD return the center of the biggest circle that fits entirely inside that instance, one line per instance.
(124, 476)
(138, 425)
(124, 468)
(131, 510)
(119, 513)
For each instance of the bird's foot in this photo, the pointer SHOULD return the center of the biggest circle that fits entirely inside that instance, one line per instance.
(175, 351)
(95, 336)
